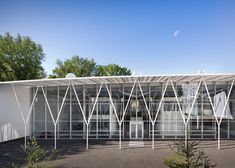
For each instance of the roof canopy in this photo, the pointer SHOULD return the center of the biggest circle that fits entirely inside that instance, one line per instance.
(122, 79)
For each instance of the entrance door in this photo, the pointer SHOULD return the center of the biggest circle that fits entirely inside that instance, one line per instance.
(136, 130)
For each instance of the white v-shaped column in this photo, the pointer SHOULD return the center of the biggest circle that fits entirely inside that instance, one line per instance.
(55, 120)
(218, 120)
(190, 112)
(120, 120)
(25, 120)
(87, 121)
(153, 121)
(148, 111)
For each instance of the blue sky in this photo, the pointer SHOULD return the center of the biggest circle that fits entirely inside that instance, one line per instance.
(150, 37)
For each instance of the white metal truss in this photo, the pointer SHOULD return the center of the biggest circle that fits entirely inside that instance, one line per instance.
(79, 103)
(87, 121)
(218, 121)
(93, 108)
(177, 100)
(48, 106)
(120, 121)
(128, 101)
(226, 102)
(55, 121)
(146, 106)
(148, 111)
(25, 121)
(111, 100)
(160, 104)
(17, 100)
(122, 79)
(89, 118)
(212, 105)
(159, 107)
(194, 100)
(62, 104)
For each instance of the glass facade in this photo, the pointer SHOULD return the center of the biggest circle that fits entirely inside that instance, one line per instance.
(136, 106)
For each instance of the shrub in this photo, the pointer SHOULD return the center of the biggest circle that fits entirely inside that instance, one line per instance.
(35, 156)
(188, 156)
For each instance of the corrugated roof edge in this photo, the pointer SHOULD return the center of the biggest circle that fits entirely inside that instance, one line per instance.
(232, 75)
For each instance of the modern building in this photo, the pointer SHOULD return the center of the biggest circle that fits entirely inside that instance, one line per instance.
(200, 106)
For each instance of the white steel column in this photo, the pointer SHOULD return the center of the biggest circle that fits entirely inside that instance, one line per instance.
(83, 111)
(186, 133)
(146, 106)
(92, 111)
(70, 112)
(52, 117)
(160, 103)
(213, 108)
(83, 108)
(158, 110)
(45, 117)
(120, 136)
(55, 137)
(123, 115)
(25, 121)
(230, 90)
(87, 134)
(152, 135)
(123, 108)
(148, 111)
(115, 112)
(177, 100)
(218, 135)
(58, 109)
(110, 115)
(97, 119)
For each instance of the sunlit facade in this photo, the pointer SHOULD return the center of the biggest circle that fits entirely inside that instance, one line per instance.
(131, 107)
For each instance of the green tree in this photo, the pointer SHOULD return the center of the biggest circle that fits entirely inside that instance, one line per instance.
(36, 157)
(112, 70)
(81, 67)
(20, 58)
(188, 156)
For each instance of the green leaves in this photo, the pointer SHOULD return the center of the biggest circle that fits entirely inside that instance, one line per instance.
(83, 67)
(112, 70)
(34, 155)
(188, 156)
(20, 58)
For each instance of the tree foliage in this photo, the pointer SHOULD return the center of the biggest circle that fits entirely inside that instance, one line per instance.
(35, 156)
(112, 70)
(83, 67)
(188, 156)
(20, 58)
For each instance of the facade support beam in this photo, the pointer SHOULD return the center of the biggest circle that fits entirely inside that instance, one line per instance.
(87, 135)
(177, 100)
(120, 136)
(25, 121)
(218, 120)
(219, 136)
(153, 136)
(120, 120)
(55, 121)
(186, 133)
(92, 111)
(160, 104)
